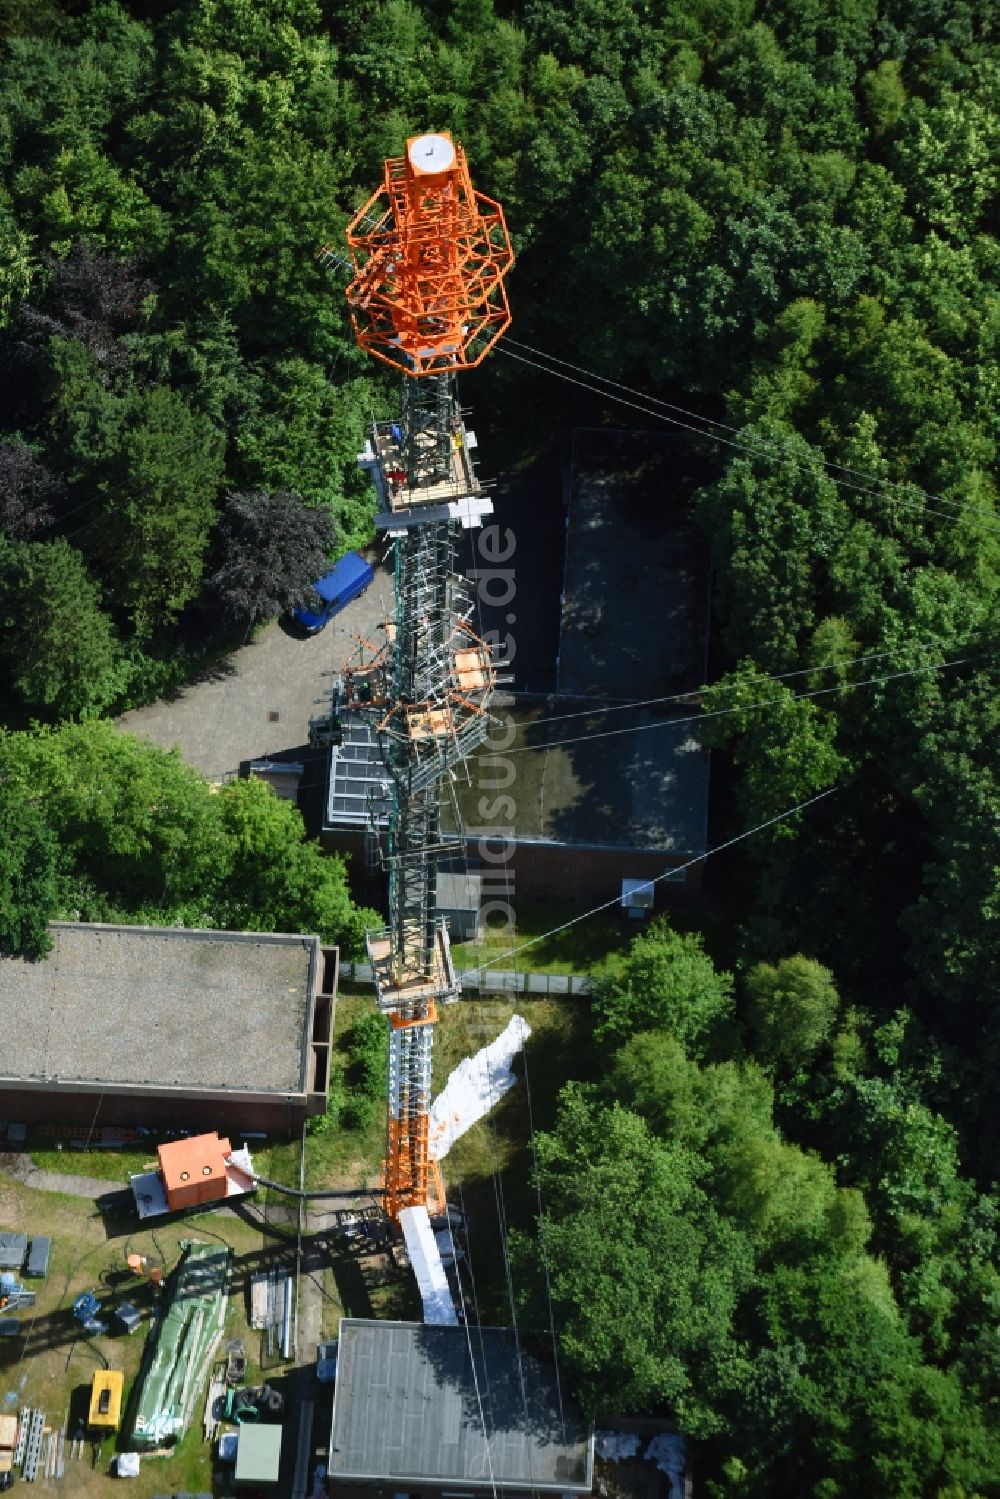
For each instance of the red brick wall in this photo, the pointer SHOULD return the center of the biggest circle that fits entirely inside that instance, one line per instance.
(591, 876)
(229, 1114)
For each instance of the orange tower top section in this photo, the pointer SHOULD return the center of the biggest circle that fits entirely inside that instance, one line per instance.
(430, 255)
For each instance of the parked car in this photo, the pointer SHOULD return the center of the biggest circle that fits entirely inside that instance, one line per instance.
(345, 580)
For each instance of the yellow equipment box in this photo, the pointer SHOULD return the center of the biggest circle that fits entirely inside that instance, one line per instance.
(106, 1400)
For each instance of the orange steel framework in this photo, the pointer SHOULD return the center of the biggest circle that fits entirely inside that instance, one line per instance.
(430, 256)
(368, 685)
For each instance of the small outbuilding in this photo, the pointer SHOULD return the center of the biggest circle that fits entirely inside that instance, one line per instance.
(13, 1248)
(194, 1170)
(38, 1257)
(258, 1457)
(192, 1173)
(459, 897)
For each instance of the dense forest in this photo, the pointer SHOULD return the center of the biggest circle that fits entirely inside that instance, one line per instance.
(769, 1205)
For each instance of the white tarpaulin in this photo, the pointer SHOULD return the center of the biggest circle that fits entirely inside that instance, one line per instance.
(425, 1258)
(616, 1446)
(474, 1087)
(667, 1451)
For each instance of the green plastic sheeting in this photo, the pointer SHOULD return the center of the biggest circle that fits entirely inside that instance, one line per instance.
(181, 1350)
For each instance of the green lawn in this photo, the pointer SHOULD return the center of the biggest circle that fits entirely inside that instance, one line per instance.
(114, 1165)
(489, 1168)
(342, 1157)
(51, 1365)
(488, 1171)
(585, 947)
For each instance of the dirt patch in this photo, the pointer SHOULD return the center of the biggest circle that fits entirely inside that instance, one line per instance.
(11, 1209)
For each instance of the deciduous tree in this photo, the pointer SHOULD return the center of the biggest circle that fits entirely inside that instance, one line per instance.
(279, 880)
(32, 886)
(667, 981)
(792, 1006)
(269, 548)
(29, 492)
(159, 506)
(57, 643)
(644, 1274)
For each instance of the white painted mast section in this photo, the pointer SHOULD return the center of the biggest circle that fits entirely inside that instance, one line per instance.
(425, 1257)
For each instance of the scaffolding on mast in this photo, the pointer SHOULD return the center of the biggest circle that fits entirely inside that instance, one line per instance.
(427, 297)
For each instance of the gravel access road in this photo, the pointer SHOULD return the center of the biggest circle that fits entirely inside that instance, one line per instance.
(258, 701)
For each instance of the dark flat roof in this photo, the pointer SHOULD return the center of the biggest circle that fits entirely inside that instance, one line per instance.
(408, 1409)
(645, 790)
(161, 1007)
(629, 778)
(634, 626)
(635, 589)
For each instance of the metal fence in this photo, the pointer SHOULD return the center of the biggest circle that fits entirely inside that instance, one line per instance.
(476, 981)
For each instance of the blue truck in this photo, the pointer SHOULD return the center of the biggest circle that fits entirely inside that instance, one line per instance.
(345, 580)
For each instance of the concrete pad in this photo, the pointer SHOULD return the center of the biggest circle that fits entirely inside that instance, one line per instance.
(258, 701)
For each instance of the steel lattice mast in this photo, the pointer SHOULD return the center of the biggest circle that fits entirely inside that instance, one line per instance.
(430, 255)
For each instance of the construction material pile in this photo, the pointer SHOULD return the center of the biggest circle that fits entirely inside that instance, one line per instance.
(181, 1351)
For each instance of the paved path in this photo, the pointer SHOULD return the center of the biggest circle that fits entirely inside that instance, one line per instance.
(75, 1186)
(259, 700)
(21, 1168)
(315, 1220)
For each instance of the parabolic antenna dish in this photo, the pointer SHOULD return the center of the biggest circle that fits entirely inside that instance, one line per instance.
(431, 153)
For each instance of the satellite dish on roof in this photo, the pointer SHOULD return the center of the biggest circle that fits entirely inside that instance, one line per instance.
(430, 153)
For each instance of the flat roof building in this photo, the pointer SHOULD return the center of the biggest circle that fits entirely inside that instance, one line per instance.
(576, 788)
(169, 1026)
(593, 772)
(429, 1408)
(635, 601)
(575, 811)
